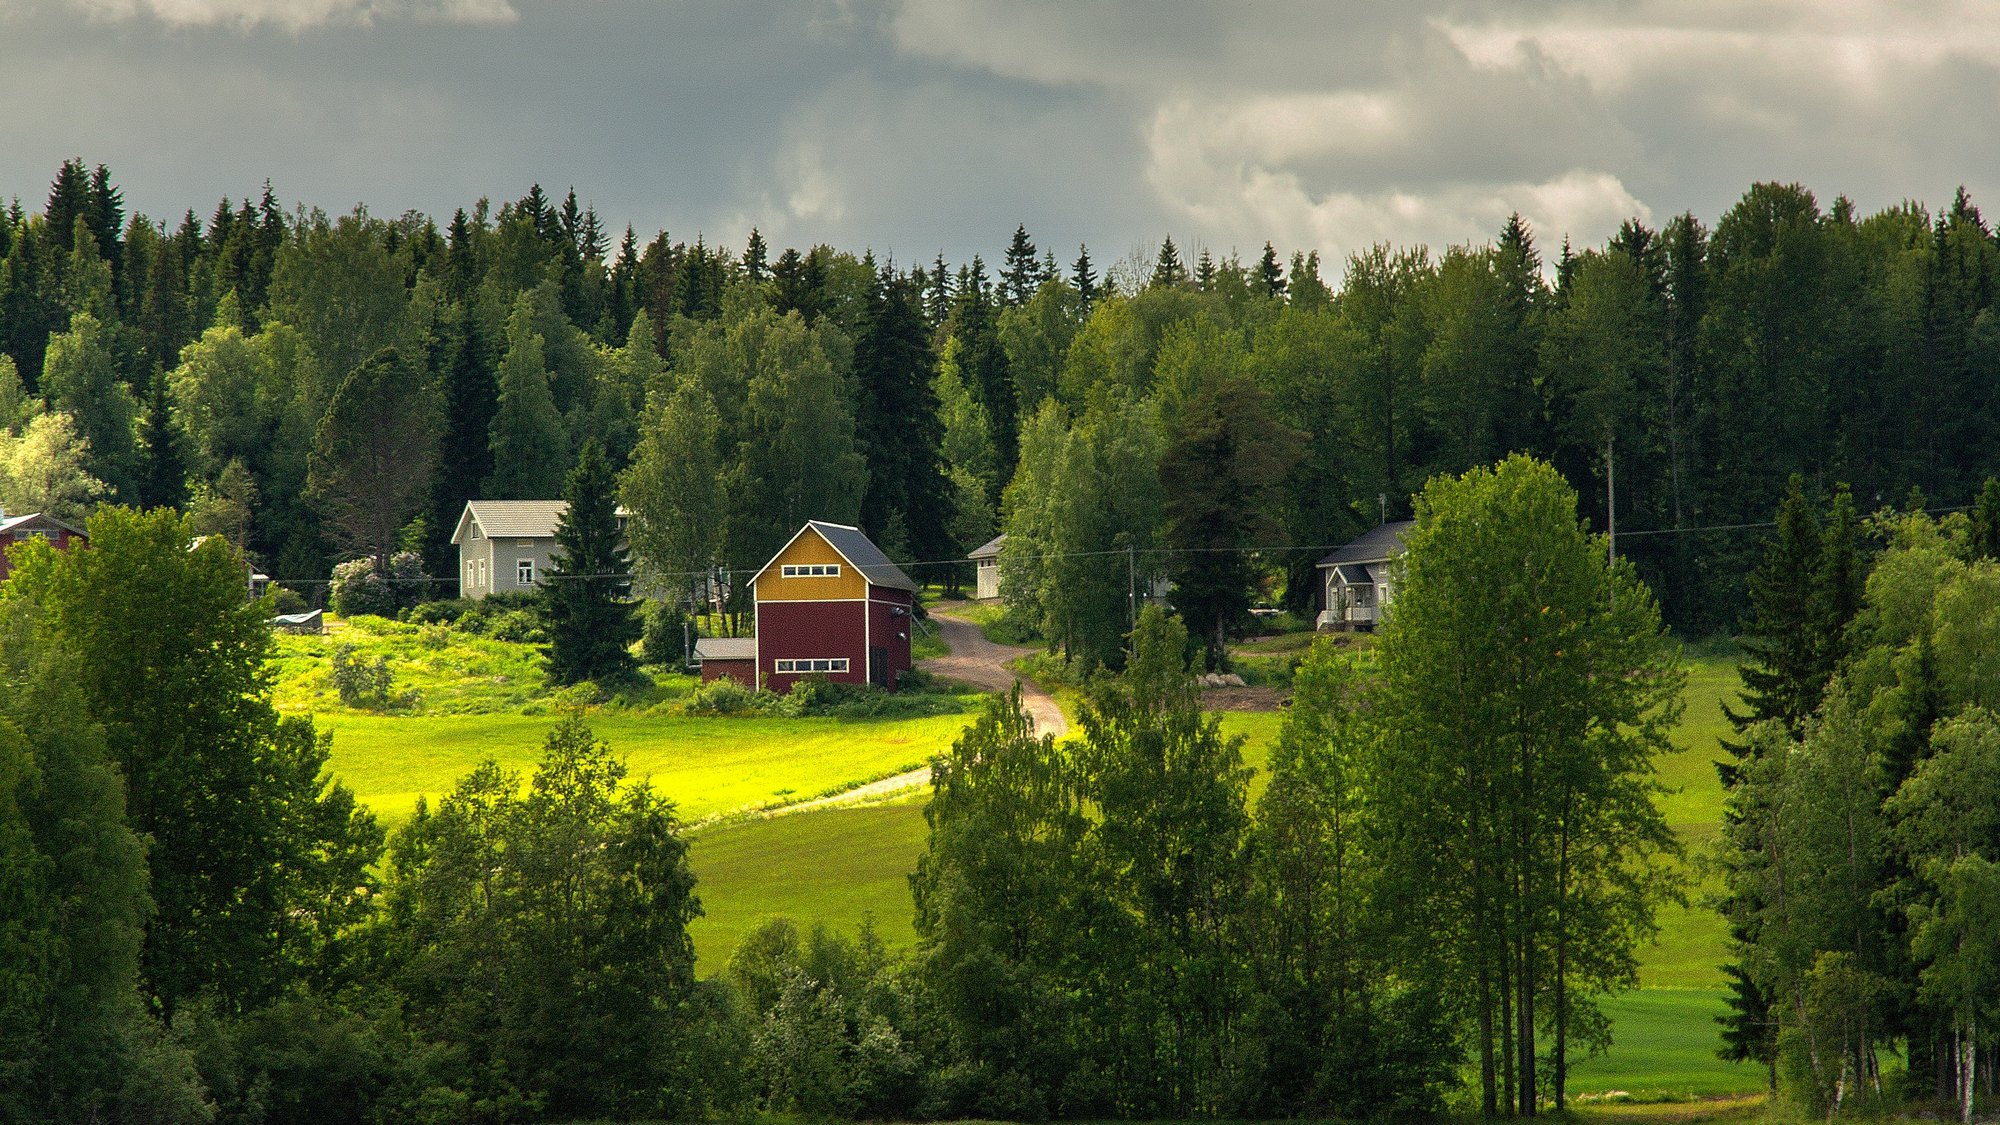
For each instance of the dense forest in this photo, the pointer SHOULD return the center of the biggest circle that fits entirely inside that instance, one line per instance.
(201, 363)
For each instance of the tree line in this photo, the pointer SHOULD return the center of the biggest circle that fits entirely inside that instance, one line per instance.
(736, 393)
(1863, 825)
(204, 926)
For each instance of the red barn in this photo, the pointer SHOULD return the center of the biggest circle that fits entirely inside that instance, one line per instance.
(20, 529)
(832, 604)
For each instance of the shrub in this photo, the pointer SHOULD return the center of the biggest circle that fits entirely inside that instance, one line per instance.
(357, 589)
(360, 684)
(518, 626)
(724, 697)
(286, 600)
(446, 611)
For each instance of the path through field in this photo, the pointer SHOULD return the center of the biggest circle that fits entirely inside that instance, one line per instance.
(974, 660)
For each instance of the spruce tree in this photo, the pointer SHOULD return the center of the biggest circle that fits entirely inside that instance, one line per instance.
(1168, 269)
(1986, 521)
(585, 597)
(1270, 274)
(896, 422)
(162, 469)
(1784, 673)
(754, 253)
(1084, 278)
(1020, 274)
(465, 452)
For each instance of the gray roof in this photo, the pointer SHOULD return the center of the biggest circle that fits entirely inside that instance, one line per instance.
(1378, 544)
(990, 549)
(867, 558)
(514, 519)
(1354, 574)
(9, 523)
(725, 648)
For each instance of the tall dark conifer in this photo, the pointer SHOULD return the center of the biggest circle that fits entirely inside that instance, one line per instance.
(471, 397)
(1271, 275)
(975, 324)
(1020, 273)
(1084, 277)
(585, 596)
(896, 422)
(162, 468)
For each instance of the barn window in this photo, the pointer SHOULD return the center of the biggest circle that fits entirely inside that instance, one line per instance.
(816, 664)
(810, 570)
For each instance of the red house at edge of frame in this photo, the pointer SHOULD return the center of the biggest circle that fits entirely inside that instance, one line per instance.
(831, 604)
(35, 525)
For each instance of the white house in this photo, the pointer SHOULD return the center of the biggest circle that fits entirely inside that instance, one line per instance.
(1358, 581)
(986, 561)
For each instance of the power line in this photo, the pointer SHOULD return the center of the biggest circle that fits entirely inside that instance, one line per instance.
(1122, 552)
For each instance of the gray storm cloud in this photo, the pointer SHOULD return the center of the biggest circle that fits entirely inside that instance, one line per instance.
(918, 125)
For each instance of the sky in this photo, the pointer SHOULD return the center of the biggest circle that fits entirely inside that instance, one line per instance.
(912, 127)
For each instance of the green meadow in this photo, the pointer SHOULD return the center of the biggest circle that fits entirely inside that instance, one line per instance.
(839, 866)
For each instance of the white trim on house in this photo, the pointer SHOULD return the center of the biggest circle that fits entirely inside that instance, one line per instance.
(524, 572)
(790, 667)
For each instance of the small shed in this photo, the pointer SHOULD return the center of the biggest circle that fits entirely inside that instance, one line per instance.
(1358, 581)
(986, 561)
(310, 622)
(733, 657)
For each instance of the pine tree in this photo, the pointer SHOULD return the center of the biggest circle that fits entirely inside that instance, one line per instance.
(896, 421)
(1271, 275)
(754, 254)
(1020, 273)
(465, 452)
(1168, 269)
(1204, 271)
(1084, 278)
(584, 599)
(1986, 521)
(1786, 640)
(162, 469)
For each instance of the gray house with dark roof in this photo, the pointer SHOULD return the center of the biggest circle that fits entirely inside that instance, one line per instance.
(504, 546)
(1358, 581)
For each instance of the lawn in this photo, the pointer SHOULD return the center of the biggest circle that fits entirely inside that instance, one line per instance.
(710, 766)
(837, 866)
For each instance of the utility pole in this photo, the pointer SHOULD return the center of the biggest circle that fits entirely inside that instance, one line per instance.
(1382, 498)
(1132, 585)
(1610, 504)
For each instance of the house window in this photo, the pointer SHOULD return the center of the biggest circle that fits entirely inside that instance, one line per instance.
(524, 572)
(810, 570)
(817, 664)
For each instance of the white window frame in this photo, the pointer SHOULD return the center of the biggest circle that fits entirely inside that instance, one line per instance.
(806, 666)
(524, 572)
(809, 570)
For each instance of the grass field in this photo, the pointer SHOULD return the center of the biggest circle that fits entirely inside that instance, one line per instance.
(841, 865)
(837, 866)
(708, 766)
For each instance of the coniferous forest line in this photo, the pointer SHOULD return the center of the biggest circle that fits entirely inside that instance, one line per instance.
(199, 363)
(1460, 846)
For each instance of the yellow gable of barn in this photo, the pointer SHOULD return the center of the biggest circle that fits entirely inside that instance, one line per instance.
(810, 570)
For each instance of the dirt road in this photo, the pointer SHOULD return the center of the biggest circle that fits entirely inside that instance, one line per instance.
(974, 660)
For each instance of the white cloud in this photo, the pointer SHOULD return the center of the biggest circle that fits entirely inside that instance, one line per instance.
(296, 15)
